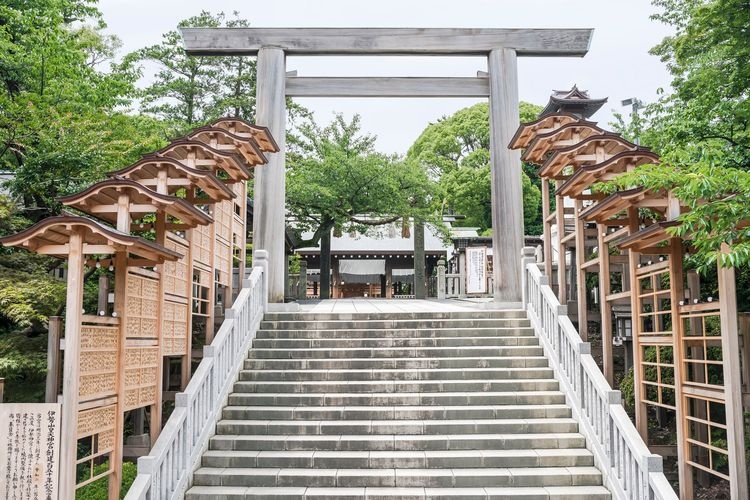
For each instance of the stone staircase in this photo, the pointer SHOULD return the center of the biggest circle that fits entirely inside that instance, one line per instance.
(457, 405)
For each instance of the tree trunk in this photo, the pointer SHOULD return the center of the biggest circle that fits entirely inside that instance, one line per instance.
(325, 265)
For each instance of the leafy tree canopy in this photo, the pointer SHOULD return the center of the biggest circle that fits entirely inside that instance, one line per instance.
(701, 127)
(335, 176)
(456, 150)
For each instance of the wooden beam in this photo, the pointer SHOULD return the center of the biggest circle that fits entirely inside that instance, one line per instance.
(71, 382)
(732, 381)
(387, 87)
(397, 41)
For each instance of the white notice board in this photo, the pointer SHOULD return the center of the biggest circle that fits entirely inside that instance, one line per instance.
(476, 270)
(29, 450)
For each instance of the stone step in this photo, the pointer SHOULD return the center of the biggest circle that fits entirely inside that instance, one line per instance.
(404, 427)
(390, 399)
(398, 332)
(426, 478)
(395, 352)
(393, 386)
(397, 412)
(348, 316)
(371, 493)
(427, 459)
(301, 343)
(357, 324)
(396, 442)
(397, 363)
(413, 374)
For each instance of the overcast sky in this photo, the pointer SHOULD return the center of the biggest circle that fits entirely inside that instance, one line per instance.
(618, 65)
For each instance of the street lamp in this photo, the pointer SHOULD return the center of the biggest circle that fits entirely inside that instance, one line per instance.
(635, 104)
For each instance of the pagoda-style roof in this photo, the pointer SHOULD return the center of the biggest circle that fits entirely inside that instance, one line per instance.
(590, 151)
(200, 155)
(527, 131)
(224, 140)
(648, 237)
(179, 176)
(101, 199)
(575, 101)
(243, 128)
(567, 135)
(607, 170)
(51, 236)
(613, 204)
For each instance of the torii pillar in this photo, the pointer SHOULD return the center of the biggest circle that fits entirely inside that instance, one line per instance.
(269, 208)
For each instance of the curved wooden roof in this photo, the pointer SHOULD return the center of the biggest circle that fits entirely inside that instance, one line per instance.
(585, 153)
(51, 236)
(179, 176)
(100, 200)
(567, 135)
(607, 170)
(648, 237)
(201, 155)
(527, 131)
(612, 205)
(224, 140)
(244, 128)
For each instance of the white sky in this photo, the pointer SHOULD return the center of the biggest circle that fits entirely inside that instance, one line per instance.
(618, 65)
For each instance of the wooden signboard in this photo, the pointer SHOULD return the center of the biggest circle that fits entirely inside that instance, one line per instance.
(29, 451)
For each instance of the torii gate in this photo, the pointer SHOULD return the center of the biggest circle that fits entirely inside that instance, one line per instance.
(500, 46)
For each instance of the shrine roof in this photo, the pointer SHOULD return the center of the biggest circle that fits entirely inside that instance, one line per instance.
(558, 138)
(247, 146)
(586, 176)
(563, 100)
(527, 131)
(179, 176)
(649, 236)
(585, 153)
(205, 156)
(244, 128)
(98, 198)
(51, 236)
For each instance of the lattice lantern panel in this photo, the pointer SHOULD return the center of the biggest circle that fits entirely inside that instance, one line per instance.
(201, 239)
(223, 220)
(141, 376)
(141, 306)
(98, 361)
(176, 274)
(223, 262)
(174, 328)
(655, 332)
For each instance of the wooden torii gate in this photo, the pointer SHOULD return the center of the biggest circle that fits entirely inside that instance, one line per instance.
(501, 47)
(685, 345)
(170, 233)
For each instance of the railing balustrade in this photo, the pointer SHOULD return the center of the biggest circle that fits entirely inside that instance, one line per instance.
(166, 472)
(630, 470)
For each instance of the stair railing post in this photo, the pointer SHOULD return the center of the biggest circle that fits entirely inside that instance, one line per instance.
(260, 259)
(527, 257)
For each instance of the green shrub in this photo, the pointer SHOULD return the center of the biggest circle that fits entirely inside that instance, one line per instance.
(98, 490)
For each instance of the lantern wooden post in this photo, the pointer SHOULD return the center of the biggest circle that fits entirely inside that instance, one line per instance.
(53, 359)
(71, 382)
(732, 380)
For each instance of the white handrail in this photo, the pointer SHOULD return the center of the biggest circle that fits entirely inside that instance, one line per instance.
(630, 470)
(166, 472)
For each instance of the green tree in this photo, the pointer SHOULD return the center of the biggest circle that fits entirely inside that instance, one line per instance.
(701, 127)
(456, 150)
(61, 119)
(336, 181)
(189, 90)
